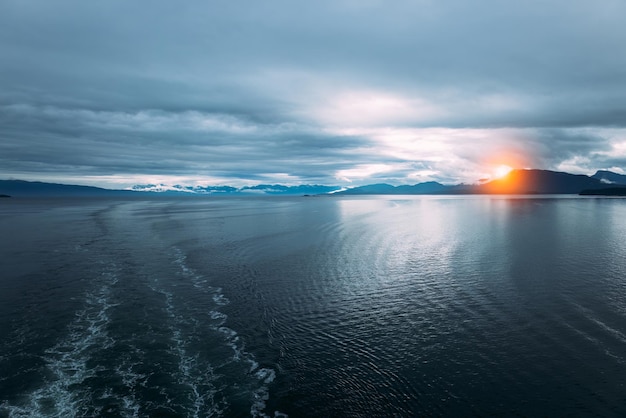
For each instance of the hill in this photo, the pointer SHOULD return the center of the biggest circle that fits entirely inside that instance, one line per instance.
(539, 182)
(527, 181)
(609, 191)
(430, 187)
(609, 177)
(21, 188)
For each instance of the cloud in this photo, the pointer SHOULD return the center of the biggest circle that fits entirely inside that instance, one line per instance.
(88, 143)
(309, 92)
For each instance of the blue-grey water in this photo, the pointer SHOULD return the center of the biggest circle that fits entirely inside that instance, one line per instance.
(313, 306)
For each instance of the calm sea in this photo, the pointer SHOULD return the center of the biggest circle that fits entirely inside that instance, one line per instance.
(313, 306)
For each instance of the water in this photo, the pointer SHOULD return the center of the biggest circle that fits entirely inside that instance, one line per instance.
(313, 306)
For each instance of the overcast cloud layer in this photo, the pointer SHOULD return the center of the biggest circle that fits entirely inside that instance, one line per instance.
(345, 92)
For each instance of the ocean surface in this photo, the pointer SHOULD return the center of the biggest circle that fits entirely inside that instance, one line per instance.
(313, 306)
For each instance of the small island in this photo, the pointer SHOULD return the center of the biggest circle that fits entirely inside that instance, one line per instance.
(4, 195)
(609, 191)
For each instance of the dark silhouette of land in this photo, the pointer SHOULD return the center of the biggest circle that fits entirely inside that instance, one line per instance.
(527, 181)
(269, 189)
(431, 187)
(516, 182)
(609, 191)
(610, 177)
(539, 182)
(20, 188)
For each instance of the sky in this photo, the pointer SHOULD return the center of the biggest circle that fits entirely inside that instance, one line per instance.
(340, 92)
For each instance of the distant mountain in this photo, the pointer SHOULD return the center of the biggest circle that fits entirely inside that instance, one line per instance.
(431, 187)
(525, 181)
(178, 189)
(278, 189)
(261, 189)
(609, 177)
(516, 182)
(539, 182)
(20, 188)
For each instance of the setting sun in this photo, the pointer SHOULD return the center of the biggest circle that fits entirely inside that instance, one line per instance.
(502, 170)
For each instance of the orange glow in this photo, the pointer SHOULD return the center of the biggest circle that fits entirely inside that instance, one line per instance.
(505, 170)
(511, 181)
(501, 171)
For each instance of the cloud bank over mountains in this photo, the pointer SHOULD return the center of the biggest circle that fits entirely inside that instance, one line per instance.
(206, 92)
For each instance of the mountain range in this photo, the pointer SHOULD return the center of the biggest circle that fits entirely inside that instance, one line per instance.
(21, 188)
(520, 181)
(527, 181)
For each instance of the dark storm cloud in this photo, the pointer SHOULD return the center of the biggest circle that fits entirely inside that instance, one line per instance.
(244, 90)
(88, 143)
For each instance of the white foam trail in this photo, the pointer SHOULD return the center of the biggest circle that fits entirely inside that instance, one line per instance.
(263, 376)
(220, 299)
(199, 281)
(261, 395)
(67, 360)
(130, 379)
(196, 377)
